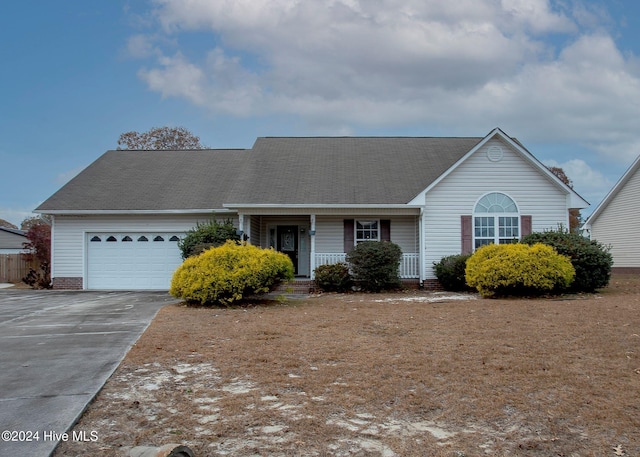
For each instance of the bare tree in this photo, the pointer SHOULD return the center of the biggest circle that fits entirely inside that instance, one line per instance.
(575, 218)
(29, 222)
(160, 138)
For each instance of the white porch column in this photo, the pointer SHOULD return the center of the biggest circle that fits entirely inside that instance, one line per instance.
(240, 224)
(312, 233)
(247, 228)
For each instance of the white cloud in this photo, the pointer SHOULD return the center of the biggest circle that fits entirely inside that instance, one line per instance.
(537, 16)
(177, 77)
(16, 215)
(140, 46)
(584, 178)
(464, 66)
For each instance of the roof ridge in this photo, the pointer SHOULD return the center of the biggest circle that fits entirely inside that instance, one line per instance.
(12, 230)
(373, 137)
(177, 150)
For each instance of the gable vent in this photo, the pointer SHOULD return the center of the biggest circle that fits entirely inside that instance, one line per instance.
(495, 153)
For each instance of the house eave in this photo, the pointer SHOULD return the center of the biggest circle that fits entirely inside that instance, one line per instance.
(574, 199)
(331, 205)
(612, 193)
(88, 212)
(319, 208)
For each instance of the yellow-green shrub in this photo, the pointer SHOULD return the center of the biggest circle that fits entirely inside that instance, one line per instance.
(226, 274)
(518, 269)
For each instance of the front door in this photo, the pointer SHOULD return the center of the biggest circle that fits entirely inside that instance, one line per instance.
(288, 243)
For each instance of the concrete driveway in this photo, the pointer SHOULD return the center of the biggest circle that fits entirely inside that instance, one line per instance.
(58, 349)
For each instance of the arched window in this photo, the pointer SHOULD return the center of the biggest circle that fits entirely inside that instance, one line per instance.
(496, 219)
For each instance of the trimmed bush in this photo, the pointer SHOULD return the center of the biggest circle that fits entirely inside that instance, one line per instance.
(333, 278)
(206, 235)
(591, 260)
(518, 269)
(228, 273)
(450, 272)
(375, 265)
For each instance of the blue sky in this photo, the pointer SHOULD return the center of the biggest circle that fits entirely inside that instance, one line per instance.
(561, 76)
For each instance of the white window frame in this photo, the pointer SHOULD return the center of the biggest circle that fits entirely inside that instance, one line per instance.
(366, 221)
(495, 221)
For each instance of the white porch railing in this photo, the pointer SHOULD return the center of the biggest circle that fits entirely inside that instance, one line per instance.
(330, 259)
(409, 264)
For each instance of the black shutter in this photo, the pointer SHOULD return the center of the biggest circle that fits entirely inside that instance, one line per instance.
(349, 229)
(385, 230)
(466, 229)
(525, 225)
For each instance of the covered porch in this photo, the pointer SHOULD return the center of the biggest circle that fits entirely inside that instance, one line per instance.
(318, 238)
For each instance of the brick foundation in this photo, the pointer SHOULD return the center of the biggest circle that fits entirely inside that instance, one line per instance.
(413, 284)
(432, 284)
(626, 270)
(307, 286)
(304, 286)
(67, 283)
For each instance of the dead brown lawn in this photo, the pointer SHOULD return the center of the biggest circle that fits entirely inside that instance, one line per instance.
(408, 374)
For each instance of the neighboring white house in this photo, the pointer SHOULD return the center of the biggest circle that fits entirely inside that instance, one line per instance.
(11, 240)
(116, 224)
(616, 220)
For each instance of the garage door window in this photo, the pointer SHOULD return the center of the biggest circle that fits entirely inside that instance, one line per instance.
(158, 238)
(127, 238)
(96, 239)
(143, 238)
(111, 239)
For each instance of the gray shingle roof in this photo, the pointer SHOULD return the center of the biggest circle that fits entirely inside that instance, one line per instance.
(13, 231)
(372, 170)
(151, 180)
(315, 171)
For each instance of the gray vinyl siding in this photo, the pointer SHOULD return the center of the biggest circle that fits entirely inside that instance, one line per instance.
(254, 227)
(10, 240)
(458, 193)
(618, 224)
(69, 234)
(330, 232)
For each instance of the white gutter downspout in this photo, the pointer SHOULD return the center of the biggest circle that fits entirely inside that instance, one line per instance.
(52, 267)
(421, 247)
(312, 233)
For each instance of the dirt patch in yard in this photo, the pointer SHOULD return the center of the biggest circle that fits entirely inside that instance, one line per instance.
(409, 374)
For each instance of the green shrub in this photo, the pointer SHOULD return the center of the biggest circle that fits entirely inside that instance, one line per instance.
(375, 265)
(333, 278)
(450, 272)
(591, 260)
(205, 235)
(518, 269)
(228, 273)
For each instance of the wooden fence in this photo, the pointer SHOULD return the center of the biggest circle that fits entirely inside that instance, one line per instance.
(13, 267)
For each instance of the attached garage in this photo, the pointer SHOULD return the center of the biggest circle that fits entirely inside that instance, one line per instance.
(132, 261)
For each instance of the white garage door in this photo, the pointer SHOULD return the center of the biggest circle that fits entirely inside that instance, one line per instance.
(132, 261)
